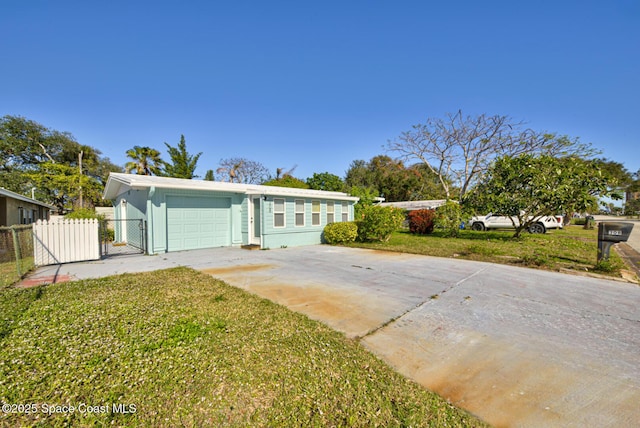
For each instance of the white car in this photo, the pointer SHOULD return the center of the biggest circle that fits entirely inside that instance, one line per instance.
(494, 221)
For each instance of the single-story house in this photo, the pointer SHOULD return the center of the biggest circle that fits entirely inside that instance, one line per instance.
(416, 205)
(18, 209)
(185, 214)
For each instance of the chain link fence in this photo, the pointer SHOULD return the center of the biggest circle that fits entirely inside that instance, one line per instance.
(16, 253)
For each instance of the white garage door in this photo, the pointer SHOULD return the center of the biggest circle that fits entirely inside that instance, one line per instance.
(195, 222)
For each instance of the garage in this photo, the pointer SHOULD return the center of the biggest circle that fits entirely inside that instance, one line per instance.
(198, 222)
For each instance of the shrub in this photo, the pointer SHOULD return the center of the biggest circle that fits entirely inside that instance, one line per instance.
(449, 218)
(607, 266)
(340, 233)
(366, 195)
(421, 221)
(84, 213)
(378, 223)
(109, 235)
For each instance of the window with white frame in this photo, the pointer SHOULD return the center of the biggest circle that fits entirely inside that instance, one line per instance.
(315, 213)
(331, 210)
(345, 211)
(299, 212)
(278, 213)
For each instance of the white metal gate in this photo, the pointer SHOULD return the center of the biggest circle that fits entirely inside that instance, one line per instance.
(65, 241)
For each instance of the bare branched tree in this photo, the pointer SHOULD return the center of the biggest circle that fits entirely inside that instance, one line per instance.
(459, 149)
(241, 170)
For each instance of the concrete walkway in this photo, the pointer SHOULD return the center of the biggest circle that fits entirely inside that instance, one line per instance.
(515, 346)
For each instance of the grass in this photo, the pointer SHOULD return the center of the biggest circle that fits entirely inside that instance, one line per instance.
(179, 348)
(572, 248)
(9, 272)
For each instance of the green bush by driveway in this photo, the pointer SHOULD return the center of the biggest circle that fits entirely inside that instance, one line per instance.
(340, 233)
(378, 223)
(179, 348)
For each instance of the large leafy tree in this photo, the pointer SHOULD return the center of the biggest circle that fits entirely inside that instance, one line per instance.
(25, 143)
(618, 176)
(632, 207)
(632, 197)
(144, 161)
(392, 179)
(359, 174)
(63, 185)
(89, 160)
(183, 164)
(528, 187)
(459, 149)
(29, 149)
(326, 181)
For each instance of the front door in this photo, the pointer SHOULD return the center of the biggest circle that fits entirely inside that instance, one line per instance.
(254, 234)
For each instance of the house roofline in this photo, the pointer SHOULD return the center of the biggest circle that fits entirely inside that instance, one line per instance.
(14, 195)
(118, 181)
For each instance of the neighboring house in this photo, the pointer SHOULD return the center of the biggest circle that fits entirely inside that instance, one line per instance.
(185, 214)
(416, 205)
(18, 209)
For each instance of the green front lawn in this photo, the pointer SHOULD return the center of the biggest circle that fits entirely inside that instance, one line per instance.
(9, 271)
(179, 348)
(573, 248)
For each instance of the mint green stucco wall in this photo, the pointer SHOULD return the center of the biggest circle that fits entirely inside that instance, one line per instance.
(292, 235)
(136, 208)
(151, 205)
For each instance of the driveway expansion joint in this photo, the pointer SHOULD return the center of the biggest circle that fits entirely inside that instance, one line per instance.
(418, 306)
(390, 321)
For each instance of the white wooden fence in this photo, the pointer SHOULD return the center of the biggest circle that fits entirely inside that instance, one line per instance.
(65, 241)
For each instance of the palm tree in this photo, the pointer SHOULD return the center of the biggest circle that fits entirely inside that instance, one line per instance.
(146, 161)
(281, 173)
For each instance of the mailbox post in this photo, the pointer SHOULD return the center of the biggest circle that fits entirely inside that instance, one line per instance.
(610, 233)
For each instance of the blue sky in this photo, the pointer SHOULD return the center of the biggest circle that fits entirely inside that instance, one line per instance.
(318, 84)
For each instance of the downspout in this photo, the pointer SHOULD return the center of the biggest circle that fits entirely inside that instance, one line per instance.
(263, 207)
(149, 225)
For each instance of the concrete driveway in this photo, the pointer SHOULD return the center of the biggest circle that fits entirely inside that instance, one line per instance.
(515, 346)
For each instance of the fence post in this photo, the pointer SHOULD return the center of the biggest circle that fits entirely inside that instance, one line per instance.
(16, 249)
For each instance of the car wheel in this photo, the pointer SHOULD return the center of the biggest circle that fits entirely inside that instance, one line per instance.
(478, 226)
(537, 228)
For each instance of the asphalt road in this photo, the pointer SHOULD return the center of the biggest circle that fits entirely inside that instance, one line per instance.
(515, 346)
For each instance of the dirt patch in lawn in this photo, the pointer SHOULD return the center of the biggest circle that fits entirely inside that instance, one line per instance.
(34, 281)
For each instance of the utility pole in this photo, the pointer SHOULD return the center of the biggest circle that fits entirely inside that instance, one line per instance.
(80, 178)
